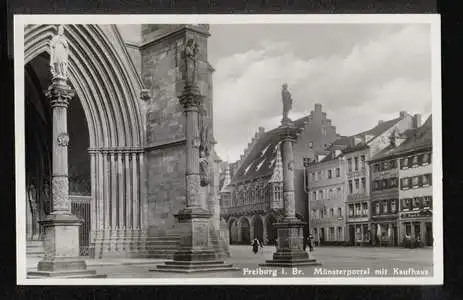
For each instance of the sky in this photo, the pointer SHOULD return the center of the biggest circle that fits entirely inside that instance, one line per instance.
(360, 73)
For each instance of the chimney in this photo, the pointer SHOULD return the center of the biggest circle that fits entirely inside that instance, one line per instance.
(261, 130)
(380, 122)
(403, 113)
(417, 120)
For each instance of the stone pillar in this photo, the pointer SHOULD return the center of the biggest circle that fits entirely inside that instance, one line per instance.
(290, 230)
(264, 231)
(195, 252)
(61, 227)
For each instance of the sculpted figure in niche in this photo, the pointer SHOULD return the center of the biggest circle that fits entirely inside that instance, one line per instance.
(204, 155)
(191, 61)
(59, 52)
(287, 101)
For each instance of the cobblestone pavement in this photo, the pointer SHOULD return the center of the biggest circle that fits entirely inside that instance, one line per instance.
(332, 258)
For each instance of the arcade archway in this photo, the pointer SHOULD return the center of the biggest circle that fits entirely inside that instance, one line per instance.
(258, 227)
(245, 230)
(271, 232)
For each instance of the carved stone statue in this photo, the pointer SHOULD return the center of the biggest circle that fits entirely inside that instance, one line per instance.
(204, 154)
(191, 61)
(59, 52)
(287, 101)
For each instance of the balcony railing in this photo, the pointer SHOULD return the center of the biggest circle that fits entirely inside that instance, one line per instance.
(244, 208)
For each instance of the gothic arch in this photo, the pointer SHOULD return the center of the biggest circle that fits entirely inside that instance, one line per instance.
(244, 225)
(101, 75)
(108, 93)
(258, 227)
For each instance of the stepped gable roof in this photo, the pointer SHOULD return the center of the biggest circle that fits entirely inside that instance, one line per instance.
(415, 139)
(261, 160)
(374, 132)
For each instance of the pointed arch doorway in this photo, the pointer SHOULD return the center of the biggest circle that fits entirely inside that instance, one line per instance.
(106, 162)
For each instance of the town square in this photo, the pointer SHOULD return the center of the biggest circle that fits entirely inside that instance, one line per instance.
(177, 151)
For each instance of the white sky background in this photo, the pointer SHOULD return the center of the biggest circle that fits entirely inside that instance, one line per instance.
(359, 73)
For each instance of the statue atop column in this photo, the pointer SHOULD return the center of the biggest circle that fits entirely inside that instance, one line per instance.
(59, 52)
(191, 61)
(287, 102)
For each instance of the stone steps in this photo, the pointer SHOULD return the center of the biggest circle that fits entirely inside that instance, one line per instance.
(65, 274)
(195, 266)
(34, 249)
(290, 263)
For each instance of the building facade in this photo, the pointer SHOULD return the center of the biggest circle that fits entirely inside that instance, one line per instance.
(256, 185)
(326, 182)
(364, 147)
(416, 191)
(384, 170)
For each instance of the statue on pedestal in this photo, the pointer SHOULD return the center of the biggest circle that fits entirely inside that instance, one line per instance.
(287, 101)
(191, 61)
(59, 52)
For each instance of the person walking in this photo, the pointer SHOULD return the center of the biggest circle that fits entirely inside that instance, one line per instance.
(310, 242)
(255, 246)
(261, 245)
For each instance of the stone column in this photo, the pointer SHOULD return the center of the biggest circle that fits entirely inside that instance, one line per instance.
(290, 230)
(264, 232)
(61, 226)
(195, 252)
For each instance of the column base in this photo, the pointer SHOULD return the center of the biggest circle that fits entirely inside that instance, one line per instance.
(118, 243)
(61, 249)
(290, 251)
(195, 253)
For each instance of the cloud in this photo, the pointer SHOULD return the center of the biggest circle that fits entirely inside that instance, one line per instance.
(376, 79)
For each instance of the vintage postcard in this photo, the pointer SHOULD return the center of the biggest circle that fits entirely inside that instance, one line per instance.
(220, 149)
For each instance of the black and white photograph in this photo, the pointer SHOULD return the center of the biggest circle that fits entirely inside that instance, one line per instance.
(220, 149)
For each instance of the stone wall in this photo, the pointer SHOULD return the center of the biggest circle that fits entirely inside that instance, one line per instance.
(162, 74)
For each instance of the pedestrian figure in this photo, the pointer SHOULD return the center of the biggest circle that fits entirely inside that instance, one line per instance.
(261, 245)
(304, 243)
(255, 246)
(310, 241)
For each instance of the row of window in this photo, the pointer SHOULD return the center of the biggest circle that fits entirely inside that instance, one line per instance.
(250, 196)
(416, 181)
(358, 188)
(383, 184)
(415, 160)
(385, 165)
(385, 207)
(358, 210)
(318, 214)
(353, 163)
(328, 234)
(327, 194)
(325, 174)
(416, 203)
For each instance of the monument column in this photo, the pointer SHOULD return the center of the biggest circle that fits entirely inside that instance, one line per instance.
(61, 243)
(290, 230)
(195, 252)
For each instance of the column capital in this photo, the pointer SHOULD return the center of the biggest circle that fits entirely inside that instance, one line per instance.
(190, 98)
(59, 93)
(289, 131)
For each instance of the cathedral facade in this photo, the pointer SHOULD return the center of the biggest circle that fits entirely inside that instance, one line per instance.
(126, 127)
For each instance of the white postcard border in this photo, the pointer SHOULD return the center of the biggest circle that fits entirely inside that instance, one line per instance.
(432, 19)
